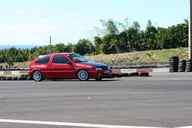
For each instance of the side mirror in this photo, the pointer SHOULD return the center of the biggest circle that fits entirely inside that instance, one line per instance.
(69, 62)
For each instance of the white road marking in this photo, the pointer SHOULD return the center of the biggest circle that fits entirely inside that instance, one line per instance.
(185, 127)
(85, 125)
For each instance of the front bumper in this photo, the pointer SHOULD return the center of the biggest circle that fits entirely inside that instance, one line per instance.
(111, 73)
(107, 74)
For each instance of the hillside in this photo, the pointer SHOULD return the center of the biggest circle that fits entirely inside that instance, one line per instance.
(143, 57)
(134, 58)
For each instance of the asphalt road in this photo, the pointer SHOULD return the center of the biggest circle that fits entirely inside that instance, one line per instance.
(164, 100)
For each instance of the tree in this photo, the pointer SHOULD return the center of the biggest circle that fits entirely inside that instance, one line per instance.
(124, 42)
(60, 47)
(123, 26)
(150, 35)
(69, 48)
(98, 44)
(110, 44)
(133, 36)
(110, 27)
(84, 46)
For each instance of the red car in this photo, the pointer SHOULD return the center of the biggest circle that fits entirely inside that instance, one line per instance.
(67, 65)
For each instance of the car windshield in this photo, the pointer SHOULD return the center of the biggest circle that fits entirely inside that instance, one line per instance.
(77, 57)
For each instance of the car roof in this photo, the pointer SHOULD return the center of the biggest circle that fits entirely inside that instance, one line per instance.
(63, 53)
(54, 53)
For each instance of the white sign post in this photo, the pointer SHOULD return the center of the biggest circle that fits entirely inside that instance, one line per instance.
(190, 31)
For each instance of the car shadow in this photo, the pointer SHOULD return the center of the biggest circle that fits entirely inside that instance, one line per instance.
(76, 80)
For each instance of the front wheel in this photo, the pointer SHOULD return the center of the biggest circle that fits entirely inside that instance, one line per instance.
(37, 76)
(99, 77)
(83, 75)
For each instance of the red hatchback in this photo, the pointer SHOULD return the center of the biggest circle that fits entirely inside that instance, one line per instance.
(67, 66)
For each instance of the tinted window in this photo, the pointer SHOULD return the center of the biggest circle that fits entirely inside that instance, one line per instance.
(77, 57)
(43, 59)
(60, 59)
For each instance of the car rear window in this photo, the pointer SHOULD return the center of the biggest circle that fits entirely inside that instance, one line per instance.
(43, 59)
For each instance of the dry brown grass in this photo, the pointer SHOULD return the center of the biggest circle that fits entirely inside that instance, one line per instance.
(144, 57)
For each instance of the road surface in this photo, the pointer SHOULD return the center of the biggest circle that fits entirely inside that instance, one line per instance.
(164, 100)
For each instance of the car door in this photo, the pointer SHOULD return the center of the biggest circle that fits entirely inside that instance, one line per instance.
(60, 67)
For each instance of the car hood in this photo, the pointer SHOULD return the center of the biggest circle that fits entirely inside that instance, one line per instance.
(96, 64)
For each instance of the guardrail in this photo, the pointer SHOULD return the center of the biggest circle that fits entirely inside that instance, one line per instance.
(14, 69)
(14, 74)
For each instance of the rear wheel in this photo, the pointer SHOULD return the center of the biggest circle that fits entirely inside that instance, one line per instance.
(37, 76)
(83, 75)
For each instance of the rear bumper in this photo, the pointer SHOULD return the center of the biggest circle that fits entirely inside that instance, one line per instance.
(30, 73)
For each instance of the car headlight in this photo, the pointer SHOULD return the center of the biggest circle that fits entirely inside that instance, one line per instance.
(109, 68)
(90, 67)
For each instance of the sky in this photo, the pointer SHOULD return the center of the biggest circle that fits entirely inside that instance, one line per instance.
(31, 22)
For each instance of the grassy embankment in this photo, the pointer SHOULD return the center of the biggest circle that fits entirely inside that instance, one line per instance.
(143, 57)
(134, 58)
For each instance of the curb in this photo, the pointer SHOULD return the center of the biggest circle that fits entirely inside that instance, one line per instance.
(142, 66)
(13, 78)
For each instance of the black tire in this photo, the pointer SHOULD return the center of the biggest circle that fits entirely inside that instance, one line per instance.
(37, 76)
(189, 66)
(99, 77)
(174, 64)
(83, 75)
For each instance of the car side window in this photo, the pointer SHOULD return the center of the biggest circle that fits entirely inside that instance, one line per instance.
(60, 59)
(43, 59)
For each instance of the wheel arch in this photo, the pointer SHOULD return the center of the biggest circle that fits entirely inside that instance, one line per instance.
(81, 69)
(76, 74)
(42, 73)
